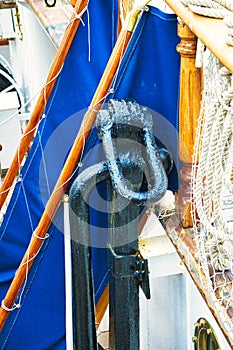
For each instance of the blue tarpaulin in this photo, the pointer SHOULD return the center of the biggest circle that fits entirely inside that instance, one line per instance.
(149, 73)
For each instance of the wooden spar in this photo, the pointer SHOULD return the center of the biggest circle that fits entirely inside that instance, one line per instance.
(41, 102)
(123, 9)
(69, 167)
(102, 305)
(190, 101)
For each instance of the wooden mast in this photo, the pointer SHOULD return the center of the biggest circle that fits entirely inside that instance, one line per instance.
(124, 7)
(189, 110)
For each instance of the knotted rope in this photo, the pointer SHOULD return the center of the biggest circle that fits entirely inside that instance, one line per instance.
(212, 170)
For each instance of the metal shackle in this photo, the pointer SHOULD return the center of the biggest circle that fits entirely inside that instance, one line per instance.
(126, 120)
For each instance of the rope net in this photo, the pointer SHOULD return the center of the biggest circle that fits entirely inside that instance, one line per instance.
(212, 179)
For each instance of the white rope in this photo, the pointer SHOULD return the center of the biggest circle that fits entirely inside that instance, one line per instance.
(225, 3)
(15, 306)
(222, 9)
(228, 20)
(212, 212)
(206, 3)
(39, 237)
(208, 12)
(212, 154)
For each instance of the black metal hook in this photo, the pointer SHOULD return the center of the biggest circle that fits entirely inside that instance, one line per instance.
(118, 121)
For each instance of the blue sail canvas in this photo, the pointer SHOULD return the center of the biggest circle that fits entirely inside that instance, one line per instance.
(148, 73)
(40, 322)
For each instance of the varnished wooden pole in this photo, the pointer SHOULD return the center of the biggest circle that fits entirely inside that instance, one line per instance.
(4, 41)
(204, 27)
(43, 97)
(189, 110)
(124, 6)
(66, 173)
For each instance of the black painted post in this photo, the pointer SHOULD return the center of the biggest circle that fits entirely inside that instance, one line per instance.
(124, 286)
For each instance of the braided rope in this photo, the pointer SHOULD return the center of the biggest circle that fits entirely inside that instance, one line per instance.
(228, 21)
(221, 9)
(206, 3)
(208, 12)
(225, 3)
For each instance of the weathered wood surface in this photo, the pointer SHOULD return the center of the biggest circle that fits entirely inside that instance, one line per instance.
(183, 241)
(212, 32)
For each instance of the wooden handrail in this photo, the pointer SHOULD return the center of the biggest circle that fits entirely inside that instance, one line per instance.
(191, 27)
(210, 31)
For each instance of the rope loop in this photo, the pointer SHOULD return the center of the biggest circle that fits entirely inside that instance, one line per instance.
(15, 306)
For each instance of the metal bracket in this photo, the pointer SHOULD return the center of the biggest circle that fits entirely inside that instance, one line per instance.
(126, 266)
